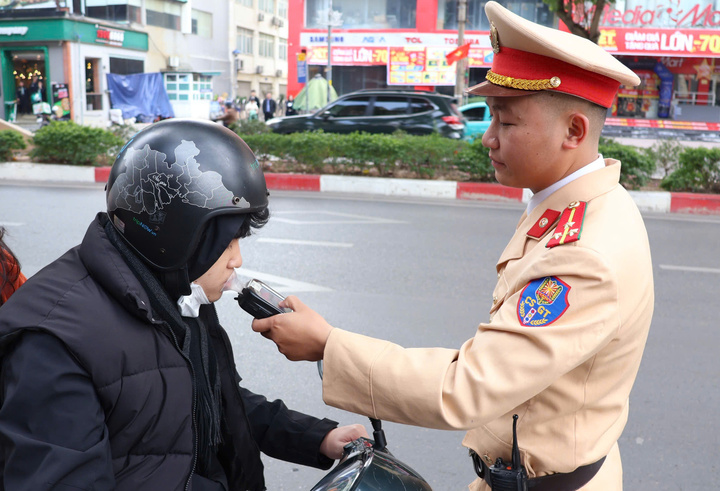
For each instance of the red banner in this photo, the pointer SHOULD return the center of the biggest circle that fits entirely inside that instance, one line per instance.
(348, 56)
(660, 42)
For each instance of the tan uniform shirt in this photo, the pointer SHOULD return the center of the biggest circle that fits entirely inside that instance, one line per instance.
(567, 373)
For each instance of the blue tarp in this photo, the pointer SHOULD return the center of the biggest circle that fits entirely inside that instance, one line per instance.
(141, 96)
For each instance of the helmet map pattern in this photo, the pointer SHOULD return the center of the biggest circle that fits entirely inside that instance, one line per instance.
(149, 182)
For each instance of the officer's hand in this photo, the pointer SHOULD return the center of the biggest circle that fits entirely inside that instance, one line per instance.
(299, 335)
(333, 443)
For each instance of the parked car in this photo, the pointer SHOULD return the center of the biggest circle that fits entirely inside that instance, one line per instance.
(477, 119)
(381, 111)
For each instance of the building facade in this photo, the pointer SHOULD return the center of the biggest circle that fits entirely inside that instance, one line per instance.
(674, 45)
(205, 50)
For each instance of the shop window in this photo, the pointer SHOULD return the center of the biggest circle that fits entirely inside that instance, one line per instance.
(374, 14)
(125, 66)
(532, 10)
(93, 92)
(244, 41)
(201, 23)
(163, 14)
(188, 86)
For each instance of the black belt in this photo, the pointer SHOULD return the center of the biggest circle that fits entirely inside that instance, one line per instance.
(569, 481)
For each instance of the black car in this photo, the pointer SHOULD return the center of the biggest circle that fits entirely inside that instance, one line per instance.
(381, 111)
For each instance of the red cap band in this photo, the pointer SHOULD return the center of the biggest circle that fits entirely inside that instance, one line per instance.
(574, 80)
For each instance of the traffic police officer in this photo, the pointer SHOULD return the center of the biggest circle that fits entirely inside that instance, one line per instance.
(574, 298)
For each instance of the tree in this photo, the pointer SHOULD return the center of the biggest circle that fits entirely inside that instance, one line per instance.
(581, 17)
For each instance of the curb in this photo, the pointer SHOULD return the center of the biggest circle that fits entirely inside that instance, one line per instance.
(654, 201)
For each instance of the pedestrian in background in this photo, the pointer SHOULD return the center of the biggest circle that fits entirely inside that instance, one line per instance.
(574, 297)
(10, 275)
(269, 106)
(289, 106)
(22, 96)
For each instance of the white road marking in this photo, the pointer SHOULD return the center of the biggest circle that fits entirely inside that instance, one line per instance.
(344, 218)
(305, 242)
(690, 269)
(281, 284)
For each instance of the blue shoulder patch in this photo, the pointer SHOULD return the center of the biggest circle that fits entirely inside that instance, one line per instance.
(543, 301)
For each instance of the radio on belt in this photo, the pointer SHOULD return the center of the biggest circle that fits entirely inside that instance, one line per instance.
(260, 301)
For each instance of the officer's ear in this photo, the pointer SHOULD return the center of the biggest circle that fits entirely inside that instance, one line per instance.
(577, 130)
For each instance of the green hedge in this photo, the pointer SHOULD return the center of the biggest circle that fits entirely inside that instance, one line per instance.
(10, 140)
(425, 155)
(698, 170)
(637, 165)
(65, 142)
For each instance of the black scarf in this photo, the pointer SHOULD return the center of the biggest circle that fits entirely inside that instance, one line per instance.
(192, 339)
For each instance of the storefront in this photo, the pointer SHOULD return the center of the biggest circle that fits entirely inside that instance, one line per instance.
(66, 60)
(674, 46)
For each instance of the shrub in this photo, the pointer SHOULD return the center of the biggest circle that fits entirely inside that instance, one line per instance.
(665, 154)
(698, 170)
(249, 127)
(10, 140)
(637, 167)
(475, 160)
(65, 142)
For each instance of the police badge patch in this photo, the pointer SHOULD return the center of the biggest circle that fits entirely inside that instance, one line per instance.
(543, 301)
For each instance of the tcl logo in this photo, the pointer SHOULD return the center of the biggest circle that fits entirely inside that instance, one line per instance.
(413, 40)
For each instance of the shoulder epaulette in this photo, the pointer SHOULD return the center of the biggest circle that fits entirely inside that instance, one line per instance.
(543, 224)
(570, 225)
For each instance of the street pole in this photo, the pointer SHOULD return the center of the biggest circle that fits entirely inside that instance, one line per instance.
(460, 65)
(328, 72)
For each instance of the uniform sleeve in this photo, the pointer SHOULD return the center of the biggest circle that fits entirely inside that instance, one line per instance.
(52, 428)
(505, 364)
(286, 434)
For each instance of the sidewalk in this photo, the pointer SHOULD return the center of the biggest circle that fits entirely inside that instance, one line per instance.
(653, 201)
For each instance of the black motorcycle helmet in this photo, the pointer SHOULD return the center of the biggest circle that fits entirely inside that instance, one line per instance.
(171, 179)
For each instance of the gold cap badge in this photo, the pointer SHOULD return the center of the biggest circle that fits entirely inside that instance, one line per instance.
(494, 41)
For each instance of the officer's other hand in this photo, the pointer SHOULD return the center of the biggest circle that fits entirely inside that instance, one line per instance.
(300, 334)
(333, 443)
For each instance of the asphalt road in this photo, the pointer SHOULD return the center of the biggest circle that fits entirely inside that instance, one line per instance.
(421, 273)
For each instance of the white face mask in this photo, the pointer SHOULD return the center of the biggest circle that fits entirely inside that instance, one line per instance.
(189, 305)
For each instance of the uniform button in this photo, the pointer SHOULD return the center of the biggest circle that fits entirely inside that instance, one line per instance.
(494, 299)
(499, 275)
(487, 459)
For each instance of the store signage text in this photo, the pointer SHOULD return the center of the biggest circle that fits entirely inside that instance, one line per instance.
(694, 42)
(110, 36)
(349, 56)
(386, 39)
(697, 16)
(13, 31)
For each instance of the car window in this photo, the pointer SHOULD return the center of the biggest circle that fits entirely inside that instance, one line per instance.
(418, 105)
(353, 106)
(475, 113)
(390, 106)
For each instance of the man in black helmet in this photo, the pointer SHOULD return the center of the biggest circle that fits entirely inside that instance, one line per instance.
(115, 372)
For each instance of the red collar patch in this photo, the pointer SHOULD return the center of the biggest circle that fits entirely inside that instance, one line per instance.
(570, 225)
(543, 224)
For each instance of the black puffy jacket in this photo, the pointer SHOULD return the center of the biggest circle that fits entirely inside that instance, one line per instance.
(136, 387)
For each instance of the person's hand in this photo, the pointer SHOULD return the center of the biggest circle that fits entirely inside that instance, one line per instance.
(333, 443)
(299, 335)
